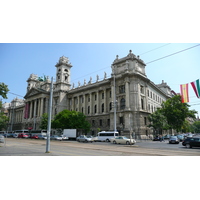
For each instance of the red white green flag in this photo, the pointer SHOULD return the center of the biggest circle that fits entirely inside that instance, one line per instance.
(196, 87)
(184, 93)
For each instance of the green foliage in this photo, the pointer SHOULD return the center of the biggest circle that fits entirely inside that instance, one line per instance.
(195, 128)
(3, 90)
(44, 121)
(70, 120)
(3, 119)
(172, 115)
(158, 121)
(176, 112)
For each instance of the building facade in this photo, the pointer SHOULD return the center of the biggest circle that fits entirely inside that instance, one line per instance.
(123, 101)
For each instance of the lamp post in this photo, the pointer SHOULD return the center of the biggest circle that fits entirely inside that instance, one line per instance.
(49, 118)
(115, 105)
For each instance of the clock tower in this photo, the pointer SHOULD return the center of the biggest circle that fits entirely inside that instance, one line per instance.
(63, 74)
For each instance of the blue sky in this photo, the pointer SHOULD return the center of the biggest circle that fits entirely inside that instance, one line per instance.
(19, 60)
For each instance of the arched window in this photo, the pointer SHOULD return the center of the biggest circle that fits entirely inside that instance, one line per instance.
(122, 104)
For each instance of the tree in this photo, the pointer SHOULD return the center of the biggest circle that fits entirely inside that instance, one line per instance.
(3, 90)
(158, 121)
(196, 127)
(44, 121)
(176, 112)
(71, 120)
(3, 118)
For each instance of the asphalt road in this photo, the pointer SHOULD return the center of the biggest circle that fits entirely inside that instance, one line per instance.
(36, 147)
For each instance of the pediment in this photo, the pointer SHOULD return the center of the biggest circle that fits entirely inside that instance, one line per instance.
(35, 92)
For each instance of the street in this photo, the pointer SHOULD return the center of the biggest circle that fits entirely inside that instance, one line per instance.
(36, 147)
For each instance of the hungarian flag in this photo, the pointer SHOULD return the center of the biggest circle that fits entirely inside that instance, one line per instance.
(196, 87)
(184, 93)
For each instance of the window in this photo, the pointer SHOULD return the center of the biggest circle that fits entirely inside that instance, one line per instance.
(122, 89)
(88, 109)
(102, 95)
(142, 103)
(95, 97)
(110, 105)
(108, 122)
(93, 122)
(102, 107)
(100, 122)
(95, 109)
(122, 104)
(145, 121)
(142, 89)
(121, 120)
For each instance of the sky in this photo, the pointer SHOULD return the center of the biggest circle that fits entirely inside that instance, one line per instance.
(19, 60)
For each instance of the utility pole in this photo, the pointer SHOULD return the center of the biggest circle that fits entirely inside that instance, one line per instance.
(49, 118)
(115, 105)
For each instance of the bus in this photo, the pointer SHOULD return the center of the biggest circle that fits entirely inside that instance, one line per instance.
(38, 132)
(106, 135)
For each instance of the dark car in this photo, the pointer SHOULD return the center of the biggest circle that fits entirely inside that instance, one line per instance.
(173, 140)
(191, 142)
(156, 138)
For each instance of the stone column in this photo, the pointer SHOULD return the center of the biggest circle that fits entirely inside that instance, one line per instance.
(38, 108)
(34, 112)
(127, 95)
(105, 102)
(31, 108)
(97, 102)
(41, 107)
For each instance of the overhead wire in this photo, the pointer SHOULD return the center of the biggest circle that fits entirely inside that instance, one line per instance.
(108, 67)
(173, 54)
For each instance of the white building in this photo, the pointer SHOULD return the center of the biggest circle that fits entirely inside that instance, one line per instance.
(136, 97)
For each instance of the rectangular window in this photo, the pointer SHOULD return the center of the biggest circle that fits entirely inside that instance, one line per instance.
(122, 89)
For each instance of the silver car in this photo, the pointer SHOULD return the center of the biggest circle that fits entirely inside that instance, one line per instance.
(55, 137)
(122, 140)
(83, 138)
(2, 139)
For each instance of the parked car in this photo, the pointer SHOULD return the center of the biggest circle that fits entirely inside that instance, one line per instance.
(22, 135)
(42, 137)
(173, 140)
(15, 135)
(56, 137)
(191, 142)
(34, 137)
(180, 137)
(122, 140)
(8, 135)
(2, 139)
(167, 137)
(84, 138)
(156, 138)
(64, 137)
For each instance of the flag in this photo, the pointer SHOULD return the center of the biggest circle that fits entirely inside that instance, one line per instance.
(26, 113)
(196, 87)
(184, 93)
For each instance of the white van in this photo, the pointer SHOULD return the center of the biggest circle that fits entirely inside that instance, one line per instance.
(106, 135)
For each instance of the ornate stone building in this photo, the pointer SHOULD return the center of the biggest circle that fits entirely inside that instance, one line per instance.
(128, 90)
